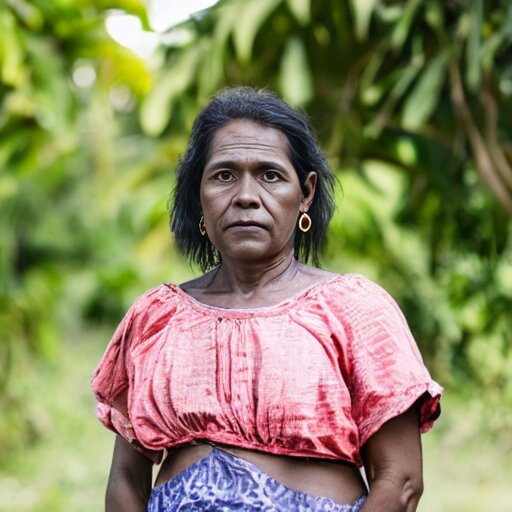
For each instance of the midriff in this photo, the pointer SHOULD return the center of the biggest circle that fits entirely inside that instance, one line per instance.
(339, 481)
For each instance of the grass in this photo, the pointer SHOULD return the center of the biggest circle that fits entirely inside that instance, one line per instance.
(467, 468)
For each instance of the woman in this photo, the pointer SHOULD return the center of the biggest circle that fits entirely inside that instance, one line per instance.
(267, 382)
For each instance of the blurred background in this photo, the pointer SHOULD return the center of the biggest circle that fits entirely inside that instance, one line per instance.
(412, 102)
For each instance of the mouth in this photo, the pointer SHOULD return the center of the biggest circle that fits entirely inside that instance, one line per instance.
(247, 224)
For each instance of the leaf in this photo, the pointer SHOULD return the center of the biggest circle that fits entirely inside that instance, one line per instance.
(252, 14)
(11, 50)
(362, 10)
(423, 99)
(401, 30)
(51, 95)
(30, 15)
(295, 76)
(369, 92)
(136, 7)
(473, 48)
(434, 16)
(401, 80)
(156, 108)
(494, 43)
(301, 9)
(211, 70)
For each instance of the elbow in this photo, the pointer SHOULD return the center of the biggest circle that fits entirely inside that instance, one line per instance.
(397, 493)
(412, 490)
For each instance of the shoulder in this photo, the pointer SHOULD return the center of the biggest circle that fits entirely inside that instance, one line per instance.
(153, 308)
(315, 275)
(354, 287)
(157, 295)
(354, 296)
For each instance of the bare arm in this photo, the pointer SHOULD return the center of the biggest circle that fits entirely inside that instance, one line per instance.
(129, 482)
(393, 464)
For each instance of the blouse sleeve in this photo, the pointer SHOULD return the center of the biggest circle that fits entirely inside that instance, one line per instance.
(387, 374)
(111, 379)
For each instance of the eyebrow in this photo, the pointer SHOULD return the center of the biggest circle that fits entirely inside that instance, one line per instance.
(233, 164)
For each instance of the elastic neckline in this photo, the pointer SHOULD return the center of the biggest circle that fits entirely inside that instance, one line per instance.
(256, 311)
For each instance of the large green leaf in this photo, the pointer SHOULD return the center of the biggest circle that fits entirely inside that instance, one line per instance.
(295, 77)
(251, 15)
(157, 106)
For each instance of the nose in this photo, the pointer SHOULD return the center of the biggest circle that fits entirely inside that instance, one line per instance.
(247, 193)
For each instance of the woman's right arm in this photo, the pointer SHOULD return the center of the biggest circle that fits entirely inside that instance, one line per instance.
(129, 482)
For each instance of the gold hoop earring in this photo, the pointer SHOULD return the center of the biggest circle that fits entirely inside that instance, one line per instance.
(202, 227)
(305, 222)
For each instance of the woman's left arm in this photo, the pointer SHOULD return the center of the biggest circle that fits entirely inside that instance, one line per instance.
(393, 465)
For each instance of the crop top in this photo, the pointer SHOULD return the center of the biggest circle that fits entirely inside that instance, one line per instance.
(313, 376)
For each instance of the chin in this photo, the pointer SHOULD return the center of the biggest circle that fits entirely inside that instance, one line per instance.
(249, 252)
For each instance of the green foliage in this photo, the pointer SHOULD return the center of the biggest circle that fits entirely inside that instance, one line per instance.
(411, 100)
(66, 170)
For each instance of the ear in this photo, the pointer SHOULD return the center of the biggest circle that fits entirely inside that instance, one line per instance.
(308, 191)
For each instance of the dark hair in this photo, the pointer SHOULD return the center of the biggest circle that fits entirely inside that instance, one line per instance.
(260, 106)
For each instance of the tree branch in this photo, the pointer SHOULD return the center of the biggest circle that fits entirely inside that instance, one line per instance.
(485, 164)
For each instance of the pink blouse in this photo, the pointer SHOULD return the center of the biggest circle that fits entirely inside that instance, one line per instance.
(313, 376)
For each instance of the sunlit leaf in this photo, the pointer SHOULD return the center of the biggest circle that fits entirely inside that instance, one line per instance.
(300, 9)
(136, 7)
(11, 50)
(28, 13)
(157, 106)
(251, 15)
(295, 77)
(362, 10)
(120, 65)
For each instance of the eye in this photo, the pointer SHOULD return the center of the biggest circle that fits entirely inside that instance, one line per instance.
(224, 176)
(271, 176)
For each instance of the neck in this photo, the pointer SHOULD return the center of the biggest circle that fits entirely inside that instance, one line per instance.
(246, 278)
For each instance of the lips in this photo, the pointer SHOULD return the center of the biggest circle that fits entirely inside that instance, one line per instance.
(246, 224)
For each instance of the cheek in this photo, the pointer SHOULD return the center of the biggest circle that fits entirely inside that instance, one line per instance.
(214, 205)
(207, 198)
(210, 202)
(287, 200)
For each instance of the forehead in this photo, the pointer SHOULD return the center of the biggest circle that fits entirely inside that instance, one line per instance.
(244, 137)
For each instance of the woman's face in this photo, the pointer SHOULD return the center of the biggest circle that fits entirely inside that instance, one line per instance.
(250, 193)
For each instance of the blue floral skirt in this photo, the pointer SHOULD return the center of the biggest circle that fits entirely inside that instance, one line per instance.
(222, 482)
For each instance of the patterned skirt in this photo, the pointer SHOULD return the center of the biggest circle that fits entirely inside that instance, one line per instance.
(222, 482)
